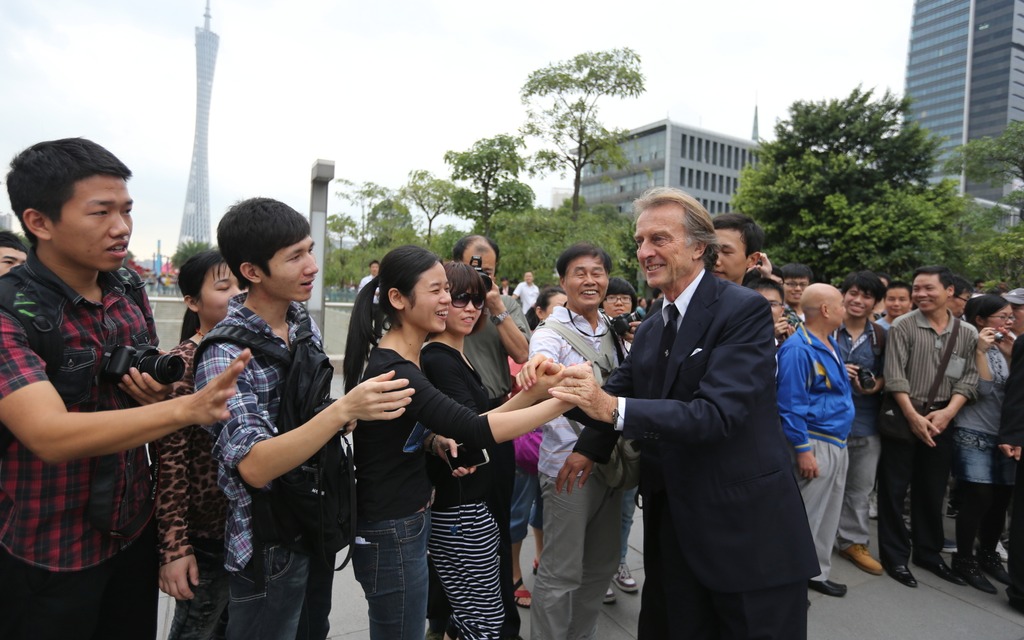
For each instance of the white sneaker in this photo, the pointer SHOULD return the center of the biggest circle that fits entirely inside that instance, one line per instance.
(609, 596)
(624, 579)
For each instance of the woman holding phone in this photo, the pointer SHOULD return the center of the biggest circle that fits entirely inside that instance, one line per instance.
(389, 554)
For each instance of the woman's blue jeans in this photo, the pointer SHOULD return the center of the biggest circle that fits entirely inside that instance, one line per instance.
(389, 560)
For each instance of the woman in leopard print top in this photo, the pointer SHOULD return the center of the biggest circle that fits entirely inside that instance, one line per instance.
(190, 508)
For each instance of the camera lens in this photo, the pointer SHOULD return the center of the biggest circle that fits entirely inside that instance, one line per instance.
(165, 369)
(866, 377)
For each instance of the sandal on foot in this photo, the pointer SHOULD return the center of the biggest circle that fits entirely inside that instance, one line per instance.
(522, 595)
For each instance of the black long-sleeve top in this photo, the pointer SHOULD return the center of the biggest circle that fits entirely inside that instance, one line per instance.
(448, 371)
(391, 475)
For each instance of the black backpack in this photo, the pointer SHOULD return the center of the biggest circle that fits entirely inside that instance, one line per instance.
(38, 317)
(310, 509)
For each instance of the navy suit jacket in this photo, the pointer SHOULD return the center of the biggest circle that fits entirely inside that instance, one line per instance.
(712, 440)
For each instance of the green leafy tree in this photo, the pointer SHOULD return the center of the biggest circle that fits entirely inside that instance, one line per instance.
(431, 195)
(532, 241)
(562, 109)
(844, 186)
(997, 161)
(186, 250)
(491, 167)
(1000, 259)
(365, 196)
(389, 224)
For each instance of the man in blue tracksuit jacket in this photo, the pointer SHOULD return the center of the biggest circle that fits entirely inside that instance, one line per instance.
(816, 408)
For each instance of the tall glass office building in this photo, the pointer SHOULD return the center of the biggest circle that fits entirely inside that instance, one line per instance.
(195, 222)
(965, 73)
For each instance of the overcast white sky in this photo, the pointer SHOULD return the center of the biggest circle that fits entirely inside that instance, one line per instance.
(384, 88)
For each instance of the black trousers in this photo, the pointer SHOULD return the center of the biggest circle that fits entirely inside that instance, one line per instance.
(1015, 566)
(925, 471)
(115, 600)
(675, 605)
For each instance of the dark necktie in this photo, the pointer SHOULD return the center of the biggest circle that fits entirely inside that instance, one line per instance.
(668, 338)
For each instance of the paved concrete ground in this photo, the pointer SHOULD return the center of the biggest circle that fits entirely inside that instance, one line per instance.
(874, 608)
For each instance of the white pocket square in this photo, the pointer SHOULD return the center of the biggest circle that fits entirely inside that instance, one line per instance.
(695, 352)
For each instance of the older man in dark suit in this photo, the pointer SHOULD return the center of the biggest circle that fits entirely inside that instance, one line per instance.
(727, 548)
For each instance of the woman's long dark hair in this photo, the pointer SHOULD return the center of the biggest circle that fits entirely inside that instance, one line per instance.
(400, 269)
(190, 283)
(543, 300)
(983, 307)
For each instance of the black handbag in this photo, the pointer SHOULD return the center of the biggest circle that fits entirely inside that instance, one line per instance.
(891, 421)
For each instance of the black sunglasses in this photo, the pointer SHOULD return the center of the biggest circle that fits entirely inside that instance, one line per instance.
(461, 300)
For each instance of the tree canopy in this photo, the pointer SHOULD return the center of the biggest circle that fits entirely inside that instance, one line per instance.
(997, 161)
(562, 109)
(491, 167)
(844, 186)
(186, 250)
(433, 196)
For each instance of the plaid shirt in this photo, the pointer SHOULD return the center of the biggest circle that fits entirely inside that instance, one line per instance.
(253, 413)
(43, 507)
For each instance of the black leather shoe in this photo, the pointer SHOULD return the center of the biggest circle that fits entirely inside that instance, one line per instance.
(942, 570)
(992, 564)
(968, 569)
(901, 574)
(827, 587)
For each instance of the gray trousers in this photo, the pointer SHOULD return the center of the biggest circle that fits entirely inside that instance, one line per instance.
(860, 478)
(823, 499)
(581, 551)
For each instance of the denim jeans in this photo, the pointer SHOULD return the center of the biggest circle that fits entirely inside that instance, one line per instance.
(268, 606)
(204, 617)
(389, 560)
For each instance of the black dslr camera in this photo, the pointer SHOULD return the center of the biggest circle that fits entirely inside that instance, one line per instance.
(475, 262)
(164, 368)
(866, 378)
(620, 324)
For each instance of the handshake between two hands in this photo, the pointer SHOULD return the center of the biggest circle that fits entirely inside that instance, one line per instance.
(574, 384)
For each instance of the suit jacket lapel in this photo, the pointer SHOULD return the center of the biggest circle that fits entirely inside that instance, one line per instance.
(691, 330)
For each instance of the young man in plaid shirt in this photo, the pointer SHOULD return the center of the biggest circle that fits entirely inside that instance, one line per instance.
(77, 544)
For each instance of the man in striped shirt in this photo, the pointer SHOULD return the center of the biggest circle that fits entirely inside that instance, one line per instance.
(916, 343)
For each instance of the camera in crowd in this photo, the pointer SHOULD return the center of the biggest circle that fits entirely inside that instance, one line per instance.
(475, 262)
(999, 336)
(866, 377)
(620, 324)
(164, 368)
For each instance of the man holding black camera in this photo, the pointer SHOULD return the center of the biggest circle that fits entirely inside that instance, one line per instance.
(862, 346)
(77, 542)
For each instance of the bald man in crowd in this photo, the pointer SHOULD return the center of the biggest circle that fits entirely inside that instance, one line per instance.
(816, 408)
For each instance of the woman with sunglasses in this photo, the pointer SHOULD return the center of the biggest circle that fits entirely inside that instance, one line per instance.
(985, 475)
(389, 554)
(463, 541)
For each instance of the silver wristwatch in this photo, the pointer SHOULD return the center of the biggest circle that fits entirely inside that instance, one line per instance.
(500, 317)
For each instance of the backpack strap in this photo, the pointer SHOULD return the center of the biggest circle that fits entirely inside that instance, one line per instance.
(879, 345)
(235, 334)
(35, 318)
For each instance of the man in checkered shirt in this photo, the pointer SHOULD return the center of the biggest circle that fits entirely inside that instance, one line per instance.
(77, 543)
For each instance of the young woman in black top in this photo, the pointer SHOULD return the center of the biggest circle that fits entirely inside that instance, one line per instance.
(463, 540)
(393, 490)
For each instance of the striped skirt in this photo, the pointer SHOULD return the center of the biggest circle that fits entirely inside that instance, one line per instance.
(464, 547)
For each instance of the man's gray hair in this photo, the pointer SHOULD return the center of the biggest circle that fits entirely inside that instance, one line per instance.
(696, 219)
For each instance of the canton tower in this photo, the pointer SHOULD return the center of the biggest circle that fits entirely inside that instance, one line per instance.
(195, 222)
